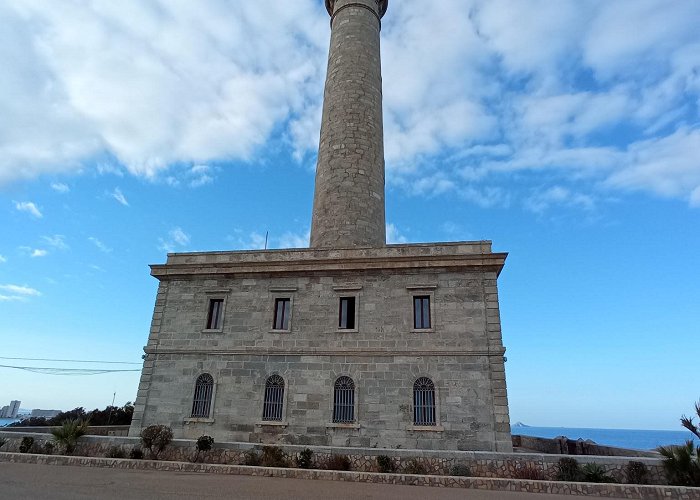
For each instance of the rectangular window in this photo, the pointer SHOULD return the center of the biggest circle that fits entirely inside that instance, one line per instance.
(421, 312)
(216, 314)
(346, 313)
(282, 310)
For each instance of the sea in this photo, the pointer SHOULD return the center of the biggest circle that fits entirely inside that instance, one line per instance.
(635, 439)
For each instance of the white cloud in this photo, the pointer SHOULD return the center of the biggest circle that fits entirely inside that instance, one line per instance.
(294, 240)
(176, 238)
(3, 259)
(101, 246)
(393, 235)
(38, 252)
(28, 207)
(119, 196)
(56, 241)
(541, 201)
(473, 89)
(60, 187)
(17, 292)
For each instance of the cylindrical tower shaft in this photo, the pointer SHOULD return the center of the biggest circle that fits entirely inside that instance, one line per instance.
(349, 195)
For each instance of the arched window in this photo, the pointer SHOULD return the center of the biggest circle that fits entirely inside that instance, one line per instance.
(344, 400)
(203, 390)
(274, 398)
(424, 402)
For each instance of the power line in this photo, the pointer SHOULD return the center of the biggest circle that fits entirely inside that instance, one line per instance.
(66, 371)
(73, 361)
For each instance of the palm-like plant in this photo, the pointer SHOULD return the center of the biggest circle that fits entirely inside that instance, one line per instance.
(68, 434)
(687, 422)
(682, 464)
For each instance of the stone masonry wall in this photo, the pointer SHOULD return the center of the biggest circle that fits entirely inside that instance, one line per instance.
(480, 464)
(461, 353)
(349, 192)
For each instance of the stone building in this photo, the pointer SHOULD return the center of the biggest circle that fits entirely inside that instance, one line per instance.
(350, 342)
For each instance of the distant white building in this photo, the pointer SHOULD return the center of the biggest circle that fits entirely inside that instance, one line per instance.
(45, 413)
(11, 410)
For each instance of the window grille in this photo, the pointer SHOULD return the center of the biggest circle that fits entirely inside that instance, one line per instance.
(344, 400)
(216, 314)
(203, 390)
(281, 319)
(274, 398)
(346, 313)
(424, 402)
(421, 312)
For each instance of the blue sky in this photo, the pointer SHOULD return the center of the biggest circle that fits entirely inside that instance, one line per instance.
(567, 132)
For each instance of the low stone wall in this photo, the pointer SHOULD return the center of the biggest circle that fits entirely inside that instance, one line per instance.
(565, 446)
(516, 485)
(481, 464)
(93, 430)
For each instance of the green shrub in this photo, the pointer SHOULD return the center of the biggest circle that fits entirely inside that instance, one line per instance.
(68, 434)
(460, 470)
(273, 456)
(136, 454)
(26, 444)
(385, 464)
(251, 457)
(413, 466)
(681, 464)
(115, 452)
(155, 438)
(203, 444)
(594, 473)
(305, 459)
(636, 473)
(338, 462)
(48, 448)
(568, 469)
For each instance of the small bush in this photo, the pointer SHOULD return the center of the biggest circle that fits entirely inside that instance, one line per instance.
(385, 464)
(155, 438)
(681, 464)
(305, 459)
(528, 472)
(568, 469)
(594, 473)
(636, 473)
(115, 452)
(460, 470)
(136, 454)
(251, 457)
(203, 444)
(26, 444)
(413, 466)
(338, 462)
(68, 434)
(272, 456)
(48, 448)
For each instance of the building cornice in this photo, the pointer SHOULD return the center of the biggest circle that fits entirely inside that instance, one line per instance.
(452, 256)
(265, 351)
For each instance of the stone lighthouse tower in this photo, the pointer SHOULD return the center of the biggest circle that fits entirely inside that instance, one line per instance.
(349, 196)
(351, 342)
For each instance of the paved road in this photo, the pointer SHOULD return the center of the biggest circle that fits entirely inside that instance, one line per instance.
(37, 482)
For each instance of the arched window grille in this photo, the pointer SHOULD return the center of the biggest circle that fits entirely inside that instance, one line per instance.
(203, 390)
(344, 400)
(274, 398)
(424, 402)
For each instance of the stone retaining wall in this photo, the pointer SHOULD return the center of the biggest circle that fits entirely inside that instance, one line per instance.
(518, 485)
(480, 464)
(565, 446)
